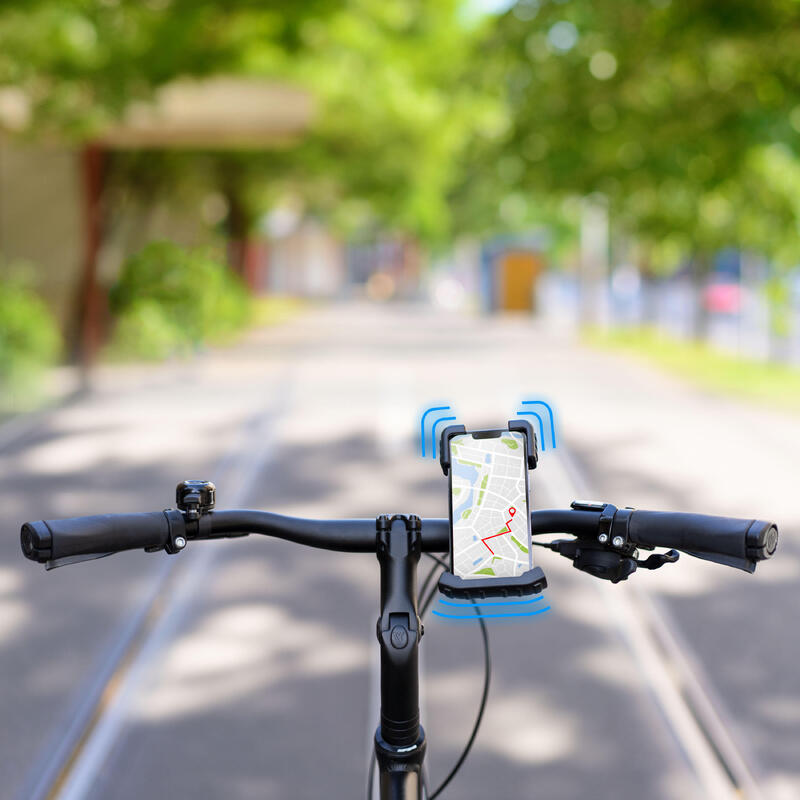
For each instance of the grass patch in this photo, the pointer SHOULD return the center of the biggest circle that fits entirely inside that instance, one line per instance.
(777, 385)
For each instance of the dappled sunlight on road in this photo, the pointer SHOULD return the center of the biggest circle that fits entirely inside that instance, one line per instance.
(244, 650)
(605, 664)
(782, 786)
(527, 728)
(279, 642)
(693, 578)
(15, 613)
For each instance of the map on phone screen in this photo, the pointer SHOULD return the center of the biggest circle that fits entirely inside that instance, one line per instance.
(490, 517)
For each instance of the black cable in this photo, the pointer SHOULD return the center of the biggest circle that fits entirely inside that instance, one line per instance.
(371, 774)
(423, 604)
(487, 679)
(548, 545)
(425, 601)
(438, 559)
(428, 578)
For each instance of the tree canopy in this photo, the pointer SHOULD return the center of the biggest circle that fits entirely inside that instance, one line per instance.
(684, 114)
(392, 116)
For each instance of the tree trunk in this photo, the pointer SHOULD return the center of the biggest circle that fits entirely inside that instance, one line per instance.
(244, 254)
(238, 229)
(90, 306)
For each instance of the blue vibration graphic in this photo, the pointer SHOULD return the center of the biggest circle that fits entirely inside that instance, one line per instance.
(433, 432)
(491, 616)
(483, 610)
(422, 424)
(541, 426)
(550, 411)
(468, 604)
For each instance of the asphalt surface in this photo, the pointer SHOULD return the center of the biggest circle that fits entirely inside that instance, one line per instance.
(265, 684)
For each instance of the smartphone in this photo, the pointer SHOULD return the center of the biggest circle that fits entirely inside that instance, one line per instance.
(490, 521)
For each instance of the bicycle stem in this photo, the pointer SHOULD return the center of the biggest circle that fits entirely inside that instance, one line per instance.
(400, 739)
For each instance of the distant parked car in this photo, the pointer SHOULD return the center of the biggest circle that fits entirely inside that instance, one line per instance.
(723, 297)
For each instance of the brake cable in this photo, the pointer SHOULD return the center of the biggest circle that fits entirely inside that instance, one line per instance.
(487, 679)
(428, 578)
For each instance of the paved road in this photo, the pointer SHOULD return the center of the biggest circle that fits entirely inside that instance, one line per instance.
(121, 448)
(266, 684)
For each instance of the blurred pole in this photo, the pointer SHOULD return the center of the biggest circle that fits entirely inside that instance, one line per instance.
(90, 299)
(700, 268)
(754, 314)
(593, 279)
(411, 266)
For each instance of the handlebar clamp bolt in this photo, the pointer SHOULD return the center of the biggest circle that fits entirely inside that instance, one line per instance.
(617, 541)
(180, 542)
(602, 538)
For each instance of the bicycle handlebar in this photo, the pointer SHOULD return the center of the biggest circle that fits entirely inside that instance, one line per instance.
(725, 540)
(734, 542)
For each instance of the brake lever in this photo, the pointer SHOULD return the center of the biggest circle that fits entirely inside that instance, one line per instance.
(659, 559)
(55, 563)
(606, 563)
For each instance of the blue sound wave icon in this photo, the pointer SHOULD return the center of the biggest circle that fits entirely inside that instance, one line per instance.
(467, 611)
(436, 421)
(528, 412)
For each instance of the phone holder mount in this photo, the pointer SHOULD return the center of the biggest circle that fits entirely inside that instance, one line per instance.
(531, 582)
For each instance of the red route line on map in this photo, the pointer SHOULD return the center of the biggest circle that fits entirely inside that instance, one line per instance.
(511, 512)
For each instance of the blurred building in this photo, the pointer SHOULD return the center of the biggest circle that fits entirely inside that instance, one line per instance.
(510, 270)
(306, 260)
(42, 220)
(385, 269)
(52, 214)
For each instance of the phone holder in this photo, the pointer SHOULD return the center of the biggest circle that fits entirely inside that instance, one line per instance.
(517, 425)
(531, 582)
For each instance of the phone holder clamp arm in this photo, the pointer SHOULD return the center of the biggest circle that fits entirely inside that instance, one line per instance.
(444, 445)
(519, 425)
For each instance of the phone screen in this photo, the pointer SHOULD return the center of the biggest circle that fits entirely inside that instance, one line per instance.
(489, 513)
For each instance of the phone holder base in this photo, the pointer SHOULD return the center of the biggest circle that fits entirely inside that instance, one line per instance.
(531, 582)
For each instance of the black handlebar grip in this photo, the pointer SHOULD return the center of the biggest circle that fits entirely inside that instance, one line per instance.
(48, 540)
(726, 540)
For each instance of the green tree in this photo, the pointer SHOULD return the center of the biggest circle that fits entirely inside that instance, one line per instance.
(393, 111)
(81, 62)
(672, 110)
